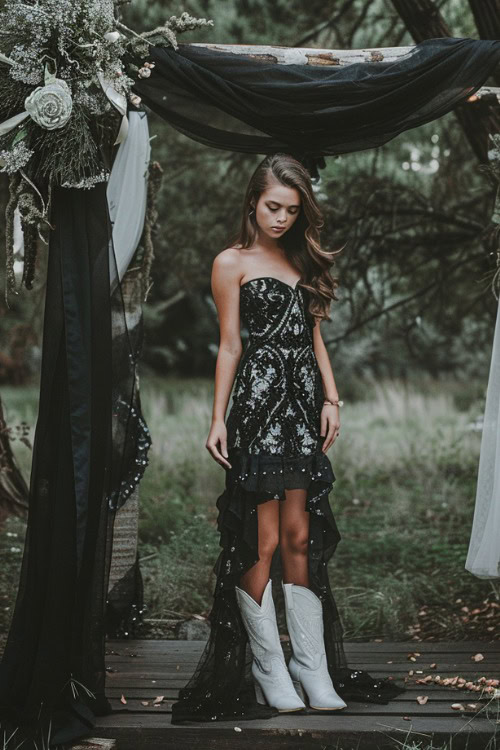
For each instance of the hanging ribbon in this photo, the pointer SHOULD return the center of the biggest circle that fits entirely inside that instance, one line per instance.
(119, 102)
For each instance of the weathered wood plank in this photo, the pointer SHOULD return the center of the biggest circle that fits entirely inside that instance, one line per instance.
(490, 660)
(409, 696)
(306, 733)
(160, 669)
(423, 647)
(394, 708)
(309, 55)
(96, 743)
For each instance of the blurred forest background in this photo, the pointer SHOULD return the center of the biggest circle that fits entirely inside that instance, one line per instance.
(410, 338)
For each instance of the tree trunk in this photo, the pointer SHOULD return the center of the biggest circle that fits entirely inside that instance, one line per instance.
(424, 21)
(487, 17)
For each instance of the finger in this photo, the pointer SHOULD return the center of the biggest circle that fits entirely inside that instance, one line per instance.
(336, 433)
(323, 425)
(217, 456)
(331, 435)
(223, 448)
(220, 459)
(326, 443)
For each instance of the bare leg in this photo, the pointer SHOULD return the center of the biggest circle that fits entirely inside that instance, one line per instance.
(255, 579)
(294, 537)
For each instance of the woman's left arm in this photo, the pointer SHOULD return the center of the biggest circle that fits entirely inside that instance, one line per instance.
(330, 417)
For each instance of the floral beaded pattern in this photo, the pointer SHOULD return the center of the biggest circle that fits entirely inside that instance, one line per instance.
(278, 394)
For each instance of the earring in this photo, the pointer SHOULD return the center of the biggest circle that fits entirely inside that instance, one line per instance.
(252, 211)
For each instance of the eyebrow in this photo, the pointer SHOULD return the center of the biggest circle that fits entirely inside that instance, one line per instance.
(292, 205)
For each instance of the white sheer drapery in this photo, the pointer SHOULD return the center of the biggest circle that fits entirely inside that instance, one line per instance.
(127, 192)
(483, 558)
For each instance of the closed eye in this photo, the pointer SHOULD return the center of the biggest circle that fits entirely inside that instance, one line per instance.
(292, 211)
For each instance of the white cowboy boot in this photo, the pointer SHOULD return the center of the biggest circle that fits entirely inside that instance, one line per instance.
(308, 666)
(271, 677)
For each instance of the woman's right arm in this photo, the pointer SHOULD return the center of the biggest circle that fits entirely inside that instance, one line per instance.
(226, 275)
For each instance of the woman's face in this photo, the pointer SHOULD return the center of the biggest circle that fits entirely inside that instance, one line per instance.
(277, 209)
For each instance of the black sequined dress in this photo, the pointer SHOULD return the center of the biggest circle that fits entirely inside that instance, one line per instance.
(273, 444)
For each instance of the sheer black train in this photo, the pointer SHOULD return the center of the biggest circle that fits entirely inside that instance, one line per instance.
(273, 444)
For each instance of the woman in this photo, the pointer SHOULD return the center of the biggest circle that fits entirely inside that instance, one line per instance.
(283, 419)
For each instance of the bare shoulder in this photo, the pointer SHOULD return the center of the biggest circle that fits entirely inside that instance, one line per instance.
(228, 264)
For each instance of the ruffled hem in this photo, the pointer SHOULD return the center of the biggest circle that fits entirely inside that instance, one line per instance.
(221, 687)
(271, 475)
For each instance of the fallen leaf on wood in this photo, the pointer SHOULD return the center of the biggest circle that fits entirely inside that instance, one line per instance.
(433, 665)
(477, 657)
(145, 703)
(237, 729)
(123, 700)
(407, 718)
(422, 699)
(158, 700)
(471, 705)
(457, 707)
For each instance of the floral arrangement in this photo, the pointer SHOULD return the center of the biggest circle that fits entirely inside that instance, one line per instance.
(65, 87)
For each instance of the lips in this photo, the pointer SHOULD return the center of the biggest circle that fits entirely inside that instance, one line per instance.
(278, 229)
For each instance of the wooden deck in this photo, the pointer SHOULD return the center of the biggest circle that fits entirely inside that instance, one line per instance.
(142, 671)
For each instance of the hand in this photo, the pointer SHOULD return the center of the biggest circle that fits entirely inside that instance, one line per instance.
(218, 437)
(330, 425)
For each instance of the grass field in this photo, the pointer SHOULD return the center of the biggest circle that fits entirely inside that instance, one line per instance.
(406, 467)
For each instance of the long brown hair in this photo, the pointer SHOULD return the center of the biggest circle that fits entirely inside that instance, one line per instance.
(302, 241)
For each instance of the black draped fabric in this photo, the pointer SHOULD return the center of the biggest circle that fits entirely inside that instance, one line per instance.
(238, 103)
(52, 675)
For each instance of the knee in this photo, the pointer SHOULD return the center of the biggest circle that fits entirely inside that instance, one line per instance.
(267, 545)
(294, 540)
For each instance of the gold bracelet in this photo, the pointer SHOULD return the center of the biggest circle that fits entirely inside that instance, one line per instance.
(333, 403)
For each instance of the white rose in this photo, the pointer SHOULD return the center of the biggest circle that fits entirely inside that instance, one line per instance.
(50, 105)
(144, 72)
